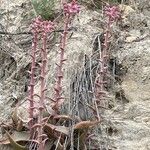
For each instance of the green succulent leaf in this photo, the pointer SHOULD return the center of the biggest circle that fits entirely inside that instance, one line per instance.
(44, 8)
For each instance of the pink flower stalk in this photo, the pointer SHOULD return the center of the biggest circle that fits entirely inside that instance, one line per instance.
(70, 9)
(35, 29)
(46, 27)
(39, 27)
(112, 12)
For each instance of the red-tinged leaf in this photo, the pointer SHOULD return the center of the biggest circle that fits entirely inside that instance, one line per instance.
(42, 50)
(36, 126)
(45, 89)
(31, 84)
(42, 77)
(85, 124)
(31, 56)
(50, 99)
(37, 51)
(97, 84)
(43, 135)
(45, 140)
(37, 96)
(45, 119)
(44, 60)
(34, 108)
(29, 99)
(34, 141)
(34, 67)
(56, 89)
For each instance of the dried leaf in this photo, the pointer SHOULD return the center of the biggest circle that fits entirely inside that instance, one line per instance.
(22, 114)
(51, 129)
(85, 124)
(48, 145)
(19, 125)
(14, 116)
(14, 144)
(17, 137)
(55, 132)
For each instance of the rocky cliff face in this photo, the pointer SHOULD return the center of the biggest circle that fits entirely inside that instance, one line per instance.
(126, 123)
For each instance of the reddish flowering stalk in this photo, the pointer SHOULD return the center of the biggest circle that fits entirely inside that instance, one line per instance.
(112, 13)
(70, 9)
(46, 27)
(35, 30)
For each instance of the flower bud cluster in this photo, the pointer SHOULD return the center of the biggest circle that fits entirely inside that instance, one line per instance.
(43, 26)
(71, 8)
(112, 12)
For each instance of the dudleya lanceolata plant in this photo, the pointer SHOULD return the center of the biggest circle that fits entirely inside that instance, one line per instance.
(51, 129)
(112, 14)
(70, 9)
(44, 8)
(39, 28)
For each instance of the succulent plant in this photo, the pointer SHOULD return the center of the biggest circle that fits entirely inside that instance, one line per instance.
(44, 8)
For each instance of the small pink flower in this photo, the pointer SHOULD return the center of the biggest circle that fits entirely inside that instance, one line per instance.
(112, 12)
(36, 25)
(40, 25)
(71, 8)
(47, 26)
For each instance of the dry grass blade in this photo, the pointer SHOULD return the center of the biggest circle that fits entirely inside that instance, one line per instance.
(59, 146)
(82, 141)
